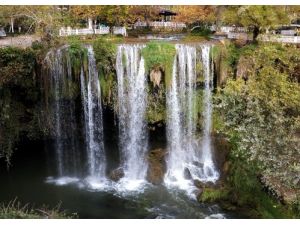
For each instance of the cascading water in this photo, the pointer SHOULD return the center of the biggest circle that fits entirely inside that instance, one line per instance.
(66, 127)
(209, 172)
(132, 107)
(186, 153)
(63, 112)
(91, 101)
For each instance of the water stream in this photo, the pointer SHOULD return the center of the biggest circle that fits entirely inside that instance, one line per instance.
(190, 155)
(132, 104)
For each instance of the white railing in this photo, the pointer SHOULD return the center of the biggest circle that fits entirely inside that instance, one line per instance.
(228, 29)
(288, 32)
(157, 24)
(282, 39)
(140, 24)
(120, 30)
(69, 31)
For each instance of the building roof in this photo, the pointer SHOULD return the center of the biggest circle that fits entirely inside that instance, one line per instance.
(165, 12)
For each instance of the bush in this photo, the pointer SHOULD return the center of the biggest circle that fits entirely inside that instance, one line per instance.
(105, 55)
(160, 56)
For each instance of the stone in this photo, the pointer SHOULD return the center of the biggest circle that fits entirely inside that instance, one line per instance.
(187, 174)
(198, 194)
(209, 184)
(198, 164)
(116, 174)
(155, 77)
(199, 184)
(156, 166)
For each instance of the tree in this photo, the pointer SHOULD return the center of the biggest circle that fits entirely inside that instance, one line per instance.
(42, 18)
(262, 115)
(256, 17)
(144, 13)
(195, 14)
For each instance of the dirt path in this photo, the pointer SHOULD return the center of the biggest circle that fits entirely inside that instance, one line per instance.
(22, 41)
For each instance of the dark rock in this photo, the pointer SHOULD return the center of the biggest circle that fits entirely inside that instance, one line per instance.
(199, 193)
(198, 164)
(221, 148)
(199, 184)
(116, 174)
(187, 174)
(209, 184)
(156, 166)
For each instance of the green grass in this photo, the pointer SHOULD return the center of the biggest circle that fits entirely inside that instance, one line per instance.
(213, 195)
(160, 55)
(15, 210)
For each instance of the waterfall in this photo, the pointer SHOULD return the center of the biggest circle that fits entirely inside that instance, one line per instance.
(63, 112)
(209, 171)
(188, 154)
(91, 101)
(132, 102)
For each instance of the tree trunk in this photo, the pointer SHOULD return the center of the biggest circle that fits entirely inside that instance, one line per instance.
(12, 25)
(90, 23)
(255, 33)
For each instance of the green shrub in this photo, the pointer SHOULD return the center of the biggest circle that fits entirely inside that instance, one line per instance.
(105, 55)
(160, 56)
(213, 195)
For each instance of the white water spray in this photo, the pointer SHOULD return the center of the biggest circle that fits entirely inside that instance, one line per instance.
(91, 101)
(187, 153)
(132, 102)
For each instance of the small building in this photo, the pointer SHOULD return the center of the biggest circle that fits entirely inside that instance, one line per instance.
(164, 23)
(167, 15)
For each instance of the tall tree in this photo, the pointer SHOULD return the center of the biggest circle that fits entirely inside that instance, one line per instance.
(256, 17)
(42, 18)
(192, 14)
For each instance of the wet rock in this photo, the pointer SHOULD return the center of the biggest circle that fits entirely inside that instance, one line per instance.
(198, 164)
(221, 150)
(199, 184)
(209, 184)
(187, 174)
(199, 193)
(157, 166)
(116, 174)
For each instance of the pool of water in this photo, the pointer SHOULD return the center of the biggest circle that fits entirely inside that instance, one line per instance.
(28, 180)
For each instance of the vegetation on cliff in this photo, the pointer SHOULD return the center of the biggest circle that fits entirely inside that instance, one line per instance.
(260, 109)
(19, 97)
(160, 56)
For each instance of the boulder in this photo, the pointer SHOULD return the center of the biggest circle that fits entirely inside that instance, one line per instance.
(198, 164)
(199, 184)
(198, 193)
(116, 174)
(156, 166)
(187, 174)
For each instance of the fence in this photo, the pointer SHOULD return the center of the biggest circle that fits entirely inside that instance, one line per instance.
(283, 39)
(101, 30)
(157, 24)
(228, 29)
(120, 30)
